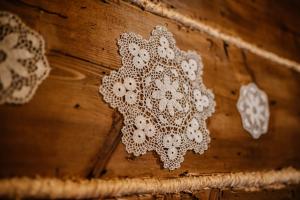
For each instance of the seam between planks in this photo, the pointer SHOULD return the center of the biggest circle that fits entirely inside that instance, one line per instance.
(161, 10)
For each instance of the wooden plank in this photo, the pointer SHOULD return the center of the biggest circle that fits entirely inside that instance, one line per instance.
(113, 139)
(57, 133)
(272, 25)
(291, 192)
(63, 131)
(212, 194)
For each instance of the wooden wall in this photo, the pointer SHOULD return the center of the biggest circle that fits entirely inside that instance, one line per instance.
(68, 130)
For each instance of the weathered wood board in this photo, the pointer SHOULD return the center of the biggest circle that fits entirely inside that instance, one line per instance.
(293, 192)
(68, 130)
(272, 25)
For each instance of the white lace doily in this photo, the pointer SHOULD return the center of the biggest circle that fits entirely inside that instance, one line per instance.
(23, 64)
(254, 109)
(159, 91)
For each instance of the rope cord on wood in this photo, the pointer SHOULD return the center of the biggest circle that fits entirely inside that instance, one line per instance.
(159, 9)
(82, 189)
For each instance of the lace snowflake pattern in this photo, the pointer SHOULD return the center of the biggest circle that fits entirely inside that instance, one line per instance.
(254, 110)
(159, 91)
(23, 65)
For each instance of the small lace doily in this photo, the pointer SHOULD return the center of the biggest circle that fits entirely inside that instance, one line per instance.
(159, 91)
(254, 110)
(23, 64)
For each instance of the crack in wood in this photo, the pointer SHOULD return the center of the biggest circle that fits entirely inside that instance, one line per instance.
(104, 1)
(112, 140)
(81, 59)
(225, 47)
(43, 9)
(247, 67)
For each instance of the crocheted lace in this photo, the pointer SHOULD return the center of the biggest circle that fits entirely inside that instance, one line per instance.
(159, 91)
(254, 110)
(23, 64)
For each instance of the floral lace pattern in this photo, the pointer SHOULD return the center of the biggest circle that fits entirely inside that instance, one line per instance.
(159, 91)
(23, 64)
(254, 109)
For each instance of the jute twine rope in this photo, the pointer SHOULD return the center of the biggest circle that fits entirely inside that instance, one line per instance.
(161, 10)
(83, 189)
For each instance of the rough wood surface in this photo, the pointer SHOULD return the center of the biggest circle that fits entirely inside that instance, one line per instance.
(292, 192)
(68, 130)
(272, 25)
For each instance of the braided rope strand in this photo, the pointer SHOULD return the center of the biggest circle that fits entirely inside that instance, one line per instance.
(63, 189)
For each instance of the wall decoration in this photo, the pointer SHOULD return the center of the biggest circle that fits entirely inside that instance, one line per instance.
(159, 91)
(254, 109)
(23, 64)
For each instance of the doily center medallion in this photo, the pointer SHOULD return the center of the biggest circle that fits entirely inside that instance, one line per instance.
(159, 91)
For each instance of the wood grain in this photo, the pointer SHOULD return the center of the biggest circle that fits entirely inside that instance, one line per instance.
(48, 136)
(68, 130)
(212, 194)
(272, 25)
(291, 192)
